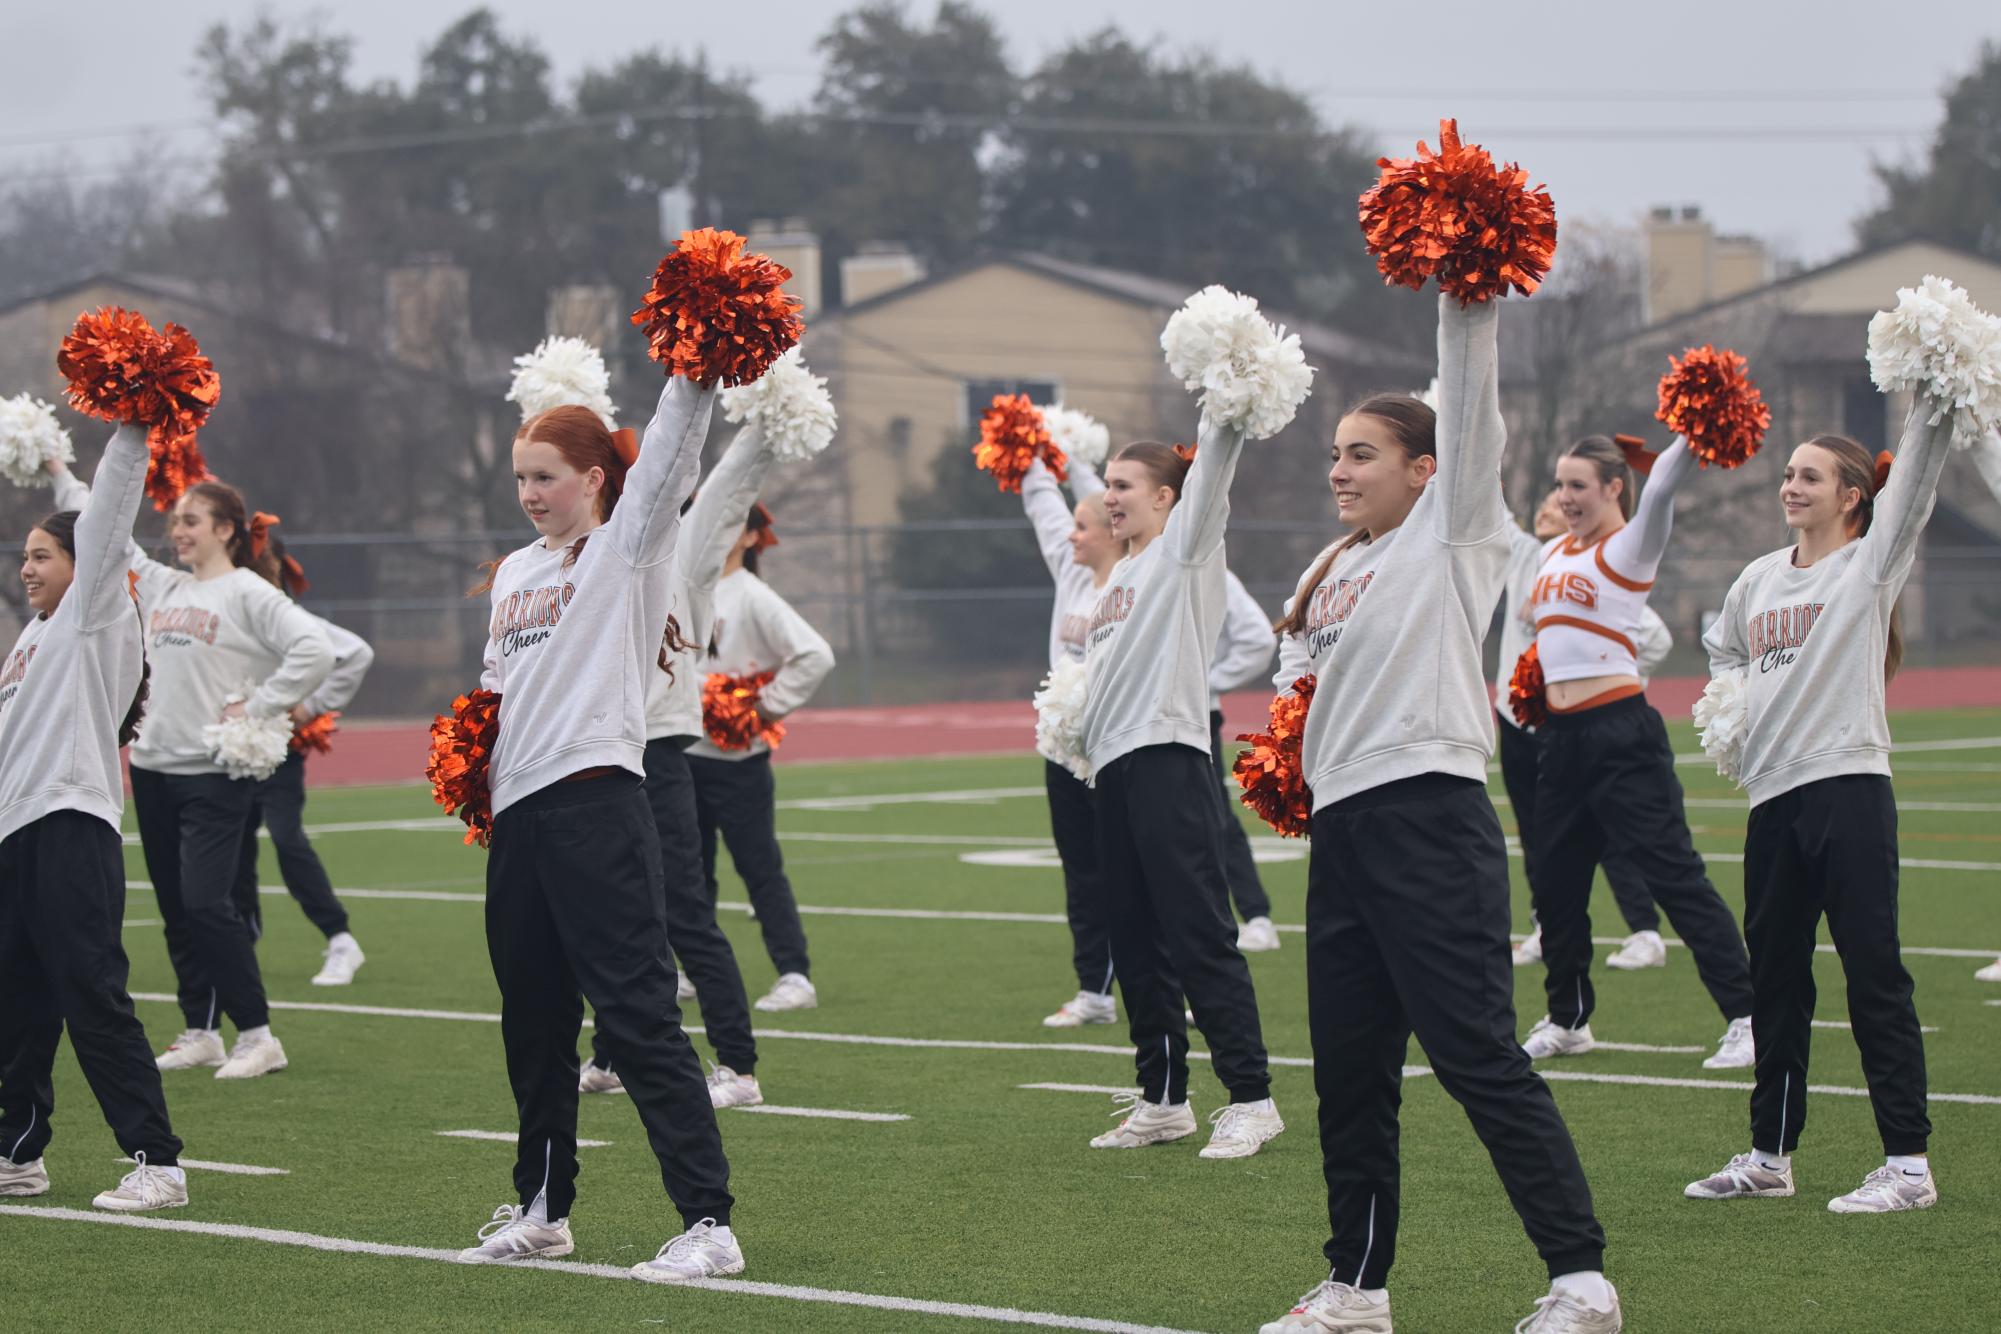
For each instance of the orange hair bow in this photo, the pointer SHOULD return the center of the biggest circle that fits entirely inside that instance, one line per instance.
(1883, 461)
(625, 443)
(261, 525)
(1637, 456)
(1186, 453)
(767, 536)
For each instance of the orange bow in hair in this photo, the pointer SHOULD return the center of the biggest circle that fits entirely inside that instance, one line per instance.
(625, 442)
(294, 575)
(767, 536)
(261, 525)
(1186, 453)
(1635, 450)
(1883, 461)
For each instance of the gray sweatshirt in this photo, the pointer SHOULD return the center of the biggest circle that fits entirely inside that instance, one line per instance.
(1076, 587)
(67, 685)
(569, 644)
(352, 657)
(1244, 649)
(758, 631)
(1812, 640)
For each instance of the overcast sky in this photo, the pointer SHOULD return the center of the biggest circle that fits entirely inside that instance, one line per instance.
(1770, 127)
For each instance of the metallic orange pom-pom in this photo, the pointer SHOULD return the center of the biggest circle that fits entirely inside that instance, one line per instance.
(1528, 697)
(729, 711)
(1012, 436)
(1707, 397)
(1271, 772)
(1454, 216)
(316, 733)
(461, 746)
(120, 368)
(716, 315)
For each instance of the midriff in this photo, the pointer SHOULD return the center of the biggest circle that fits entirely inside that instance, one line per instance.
(1570, 694)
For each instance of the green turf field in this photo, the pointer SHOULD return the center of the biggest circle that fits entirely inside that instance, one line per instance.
(988, 1196)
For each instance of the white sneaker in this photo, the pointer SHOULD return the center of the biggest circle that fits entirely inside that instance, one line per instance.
(1336, 1308)
(684, 990)
(1887, 1191)
(344, 957)
(703, 1251)
(1742, 1178)
(23, 1178)
(1547, 1039)
(513, 1235)
(195, 1047)
(1642, 949)
(727, 1088)
(1562, 1313)
(792, 991)
(251, 1057)
(1086, 1007)
(594, 1078)
(1146, 1123)
(1242, 1129)
(1734, 1050)
(1530, 950)
(1257, 936)
(146, 1188)
(1991, 973)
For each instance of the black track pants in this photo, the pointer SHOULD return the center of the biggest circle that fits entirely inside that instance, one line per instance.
(1169, 913)
(1240, 868)
(1830, 847)
(738, 800)
(281, 808)
(1407, 931)
(1075, 829)
(1518, 770)
(573, 911)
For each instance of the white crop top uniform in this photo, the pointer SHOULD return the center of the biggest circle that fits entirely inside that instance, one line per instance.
(1076, 586)
(1524, 560)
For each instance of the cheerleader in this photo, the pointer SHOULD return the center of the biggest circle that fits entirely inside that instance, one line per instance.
(1604, 769)
(1159, 830)
(1407, 888)
(1987, 457)
(71, 693)
(736, 795)
(573, 875)
(1243, 656)
(1812, 632)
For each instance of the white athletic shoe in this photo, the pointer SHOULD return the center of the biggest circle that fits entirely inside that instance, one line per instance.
(1562, 1313)
(1336, 1308)
(1242, 1129)
(1146, 1123)
(703, 1251)
(1734, 1050)
(1530, 950)
(251, 1057)
(594, 1078)
(792, 991)
(146, 1188)
(727, 1088)
(344, 958)
(1642, 949)
(1257, 936)
(1991, 973)
(1086, 1007)
(1887, 1191)
(1547, 1039)
(195, 1047)
(23, 1178)
(1742, 1178)
(684, 990)
(513, 1235)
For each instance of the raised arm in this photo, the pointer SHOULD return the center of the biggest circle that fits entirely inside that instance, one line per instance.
(1987, 458)
(1471, 434)
(292, 632)
(351, 659)
(105, 528)
(1635, 551)
(715, 521)
(1051, 517)
(73, 494)
(1194, 530)
(643, 527)
(1245, 647)
(1084, 481)
(1905, 503)
(806, 656)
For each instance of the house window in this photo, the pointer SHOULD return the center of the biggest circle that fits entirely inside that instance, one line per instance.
(980, 394)
(1864, 413)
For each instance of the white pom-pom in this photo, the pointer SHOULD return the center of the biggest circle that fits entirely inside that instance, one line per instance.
(563, 373)
(1082, 438)
(1939, 343)
(30, 436)
(790, 405)
(1059, 717)
(1723, 717)
(249, 747)
(1252, 376)
(1430, 395)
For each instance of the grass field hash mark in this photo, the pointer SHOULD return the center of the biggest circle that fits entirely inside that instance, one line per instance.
(509, 1137)
(233, 1169)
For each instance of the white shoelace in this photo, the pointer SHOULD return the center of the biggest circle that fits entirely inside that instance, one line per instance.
(691, 1244)
(1880, 1184)
(510, 1220)
(188, 1038)
(1556, 1313)
(1127, 1105)
(148, 1183)
(1332, 1295)
(1227, 1120)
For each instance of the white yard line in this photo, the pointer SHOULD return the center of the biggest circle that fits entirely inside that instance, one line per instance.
(1081, 1088)
(1656, 1081)
(132, 922)
(735, 1287)
(234, 1169)
(509, 1137)
(1839, 1023)
(822, 1113)
(867, 802)
(1645, 1048)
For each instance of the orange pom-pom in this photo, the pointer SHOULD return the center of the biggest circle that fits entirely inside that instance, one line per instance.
(1452, 215)
(1272, 773)
(316, 733)
(120, 368)
(1527, 692)
(716, 315)
(1707, 398)
(461, 745)
(730, 711)
(1012, 436)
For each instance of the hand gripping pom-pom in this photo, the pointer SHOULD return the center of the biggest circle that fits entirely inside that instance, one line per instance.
(790, 405)
(1480, 230)
(1079, 436)
(1059, 717)
(1722, 716)
(1528, 693)
(461, 746)
(1272, 772)
(120, 368)
(1708, 399)
(249, 747)
(715, 315)
(730, 711)
(1252, 376)
(316, 733)
(1012, 436)
(1939, 343)
(30, 436)
(563, 373)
